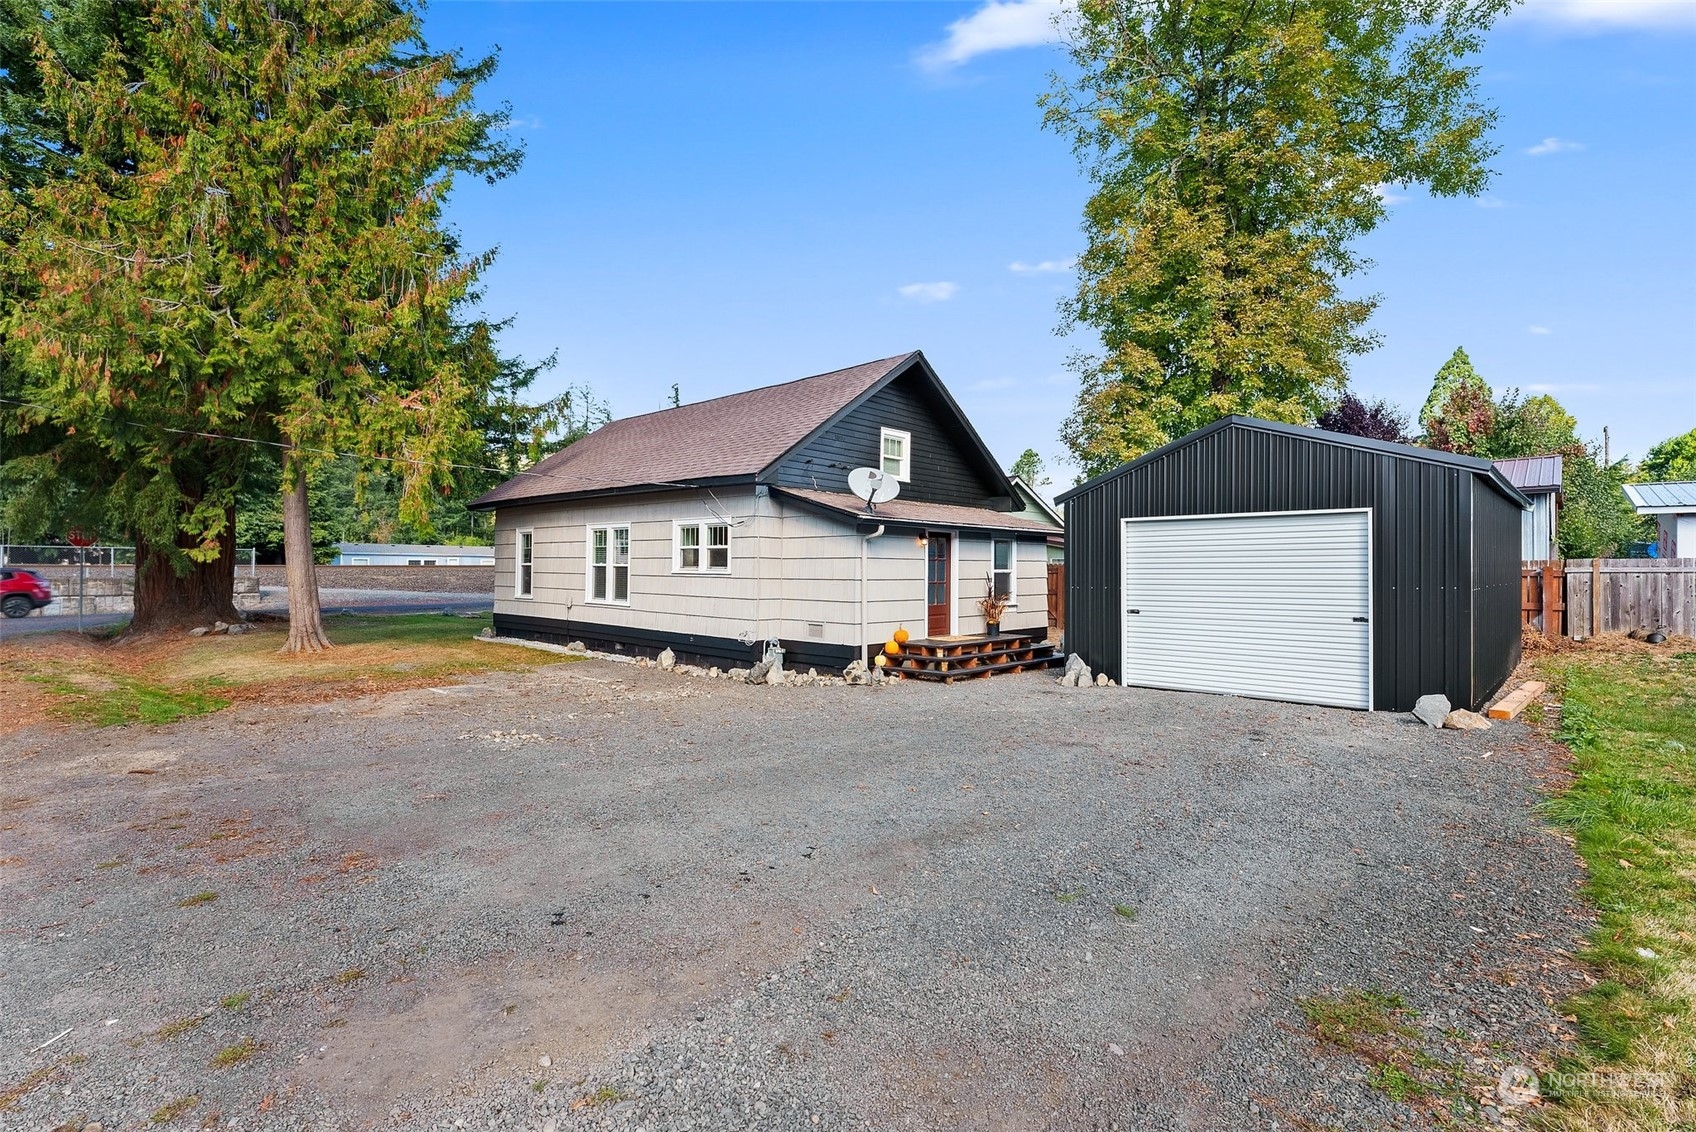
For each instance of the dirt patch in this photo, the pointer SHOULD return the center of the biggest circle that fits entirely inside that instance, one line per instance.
(82, 680)
(1534, 643)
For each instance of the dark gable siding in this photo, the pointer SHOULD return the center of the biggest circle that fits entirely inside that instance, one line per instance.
(943, 470)
(1424, 586)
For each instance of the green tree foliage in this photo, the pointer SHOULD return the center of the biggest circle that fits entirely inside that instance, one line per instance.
(1596, 520)
(1028, 467)
(1673, 460)
(1531, 426)
(51, 479)
(270, 260)
(352, 502)
(1237, 151)
(1463, 415)
(1458, 412)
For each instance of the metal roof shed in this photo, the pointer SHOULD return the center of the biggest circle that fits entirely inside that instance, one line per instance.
(1269, 560)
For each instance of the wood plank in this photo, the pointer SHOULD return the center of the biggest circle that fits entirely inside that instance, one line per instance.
(1595, 584)
(1513, 703)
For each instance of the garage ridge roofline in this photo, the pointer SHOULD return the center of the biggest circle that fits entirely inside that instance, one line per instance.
(1407, 451)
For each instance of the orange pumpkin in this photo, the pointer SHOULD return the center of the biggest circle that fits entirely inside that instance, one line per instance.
(891, 648)
(902, 636)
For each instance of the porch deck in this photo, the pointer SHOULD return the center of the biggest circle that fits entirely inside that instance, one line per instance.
(947, 659)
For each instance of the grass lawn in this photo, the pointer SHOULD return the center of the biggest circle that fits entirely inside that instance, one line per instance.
(1629, 717)
(92, 683)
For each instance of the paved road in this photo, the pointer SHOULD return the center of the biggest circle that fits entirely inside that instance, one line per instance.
(597, 896)
(274, 599)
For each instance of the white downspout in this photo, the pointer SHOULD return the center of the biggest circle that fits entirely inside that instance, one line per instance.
(864, 540)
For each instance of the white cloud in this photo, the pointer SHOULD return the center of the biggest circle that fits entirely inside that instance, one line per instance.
(1537, 330)
(1602, 15)
(928, 292)
(1553, 145)
(1570, 387)
(994, 383)
(1046, 267)
(1491, 202)
(1387, 193)
(999, 25)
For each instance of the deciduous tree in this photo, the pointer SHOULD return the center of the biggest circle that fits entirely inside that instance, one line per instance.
(1028, 467)
(1672, 460)
(1237, 152)
(1375, 420)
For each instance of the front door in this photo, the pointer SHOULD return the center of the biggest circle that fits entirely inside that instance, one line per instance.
(937, 596)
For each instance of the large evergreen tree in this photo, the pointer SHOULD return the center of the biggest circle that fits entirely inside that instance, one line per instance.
(1237, 151)
(274, 263)
(58, 467)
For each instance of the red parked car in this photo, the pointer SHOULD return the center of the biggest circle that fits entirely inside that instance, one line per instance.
(22, 592)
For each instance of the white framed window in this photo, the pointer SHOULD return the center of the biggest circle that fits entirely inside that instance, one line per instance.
(1003, 570)
(609, 564)
(700, 546)
(362, 560)
(896, 449)
(524, 580)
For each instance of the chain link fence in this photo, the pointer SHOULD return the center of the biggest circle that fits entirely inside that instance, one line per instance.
(112, 559)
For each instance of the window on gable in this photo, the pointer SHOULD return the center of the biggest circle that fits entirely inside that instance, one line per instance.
(1002, 572)
(609, 564)
(702, 547)
(525, 582)
(897, 452)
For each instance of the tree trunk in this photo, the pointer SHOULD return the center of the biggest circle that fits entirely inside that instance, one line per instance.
(165, 599)
(306, 621)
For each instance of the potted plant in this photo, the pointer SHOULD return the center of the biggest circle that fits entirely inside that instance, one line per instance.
(993, 606)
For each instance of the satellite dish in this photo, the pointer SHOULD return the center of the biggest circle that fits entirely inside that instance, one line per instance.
(873, 486)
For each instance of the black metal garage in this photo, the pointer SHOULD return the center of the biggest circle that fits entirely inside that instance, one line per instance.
(1443, 565)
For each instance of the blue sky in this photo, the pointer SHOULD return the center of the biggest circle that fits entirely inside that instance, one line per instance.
(727, 195)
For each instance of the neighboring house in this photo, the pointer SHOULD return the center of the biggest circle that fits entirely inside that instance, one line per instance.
(1674, 507)
(1262, 559)
(410, 554)
(1036, 507)
(1539, 478)
(717, 527)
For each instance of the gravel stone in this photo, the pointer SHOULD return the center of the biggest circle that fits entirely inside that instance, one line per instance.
(697, 898)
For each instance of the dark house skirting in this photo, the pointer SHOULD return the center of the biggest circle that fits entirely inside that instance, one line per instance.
(690, 648)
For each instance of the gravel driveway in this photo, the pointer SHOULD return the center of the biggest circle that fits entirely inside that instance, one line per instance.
(601, 896)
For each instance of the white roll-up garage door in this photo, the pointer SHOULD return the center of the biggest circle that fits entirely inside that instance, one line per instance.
(1275, 606)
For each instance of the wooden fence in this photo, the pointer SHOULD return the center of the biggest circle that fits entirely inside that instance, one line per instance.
(1634, 593)
(1057, 595)
(1542, 597)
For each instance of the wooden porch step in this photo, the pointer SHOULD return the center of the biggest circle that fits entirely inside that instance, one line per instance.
(962, 646)
(980, 655)
(967, 658)
(973, 672)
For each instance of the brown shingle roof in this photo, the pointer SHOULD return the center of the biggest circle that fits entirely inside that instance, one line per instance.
(914, 512)
(738, 435)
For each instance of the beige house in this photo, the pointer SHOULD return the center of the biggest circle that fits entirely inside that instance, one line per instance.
(717, 528)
